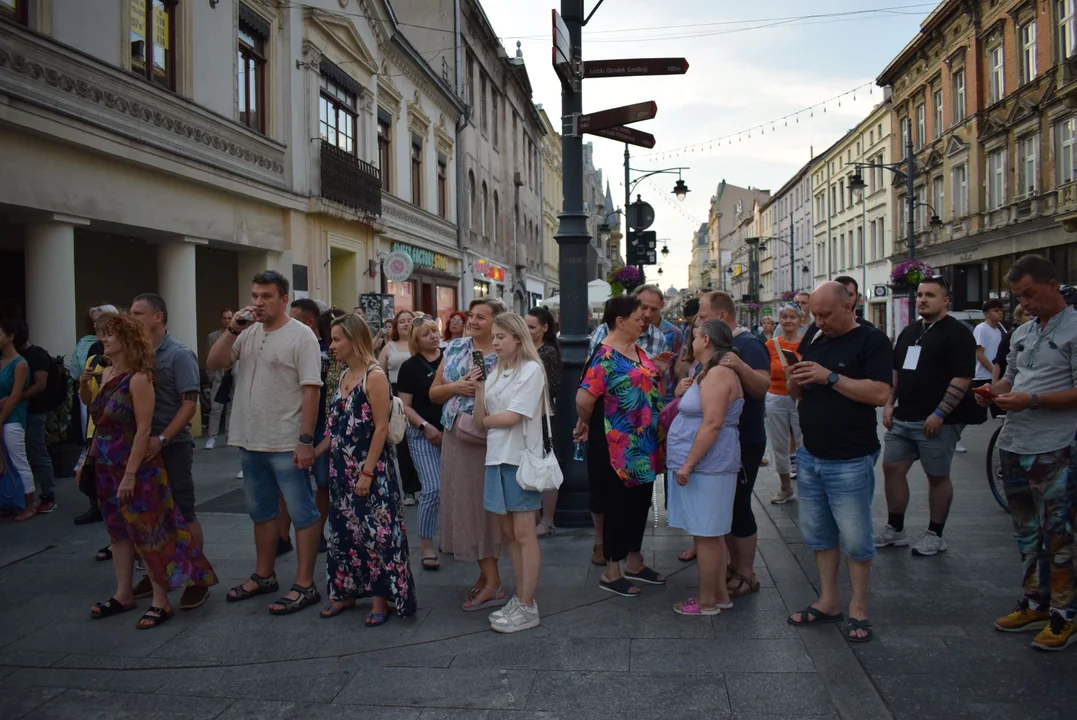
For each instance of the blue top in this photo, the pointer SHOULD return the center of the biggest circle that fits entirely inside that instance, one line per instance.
(7, 384)
(754, 354)
(724, 454)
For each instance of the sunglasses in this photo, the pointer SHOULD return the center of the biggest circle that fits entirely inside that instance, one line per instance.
(417, 321)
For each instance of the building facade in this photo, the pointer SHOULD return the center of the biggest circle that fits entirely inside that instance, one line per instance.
(551, 204)
(599, 261)
(787, 239)
(742, 245)
(726, 212)
(985, 92)
(180, 147)
(700, 263)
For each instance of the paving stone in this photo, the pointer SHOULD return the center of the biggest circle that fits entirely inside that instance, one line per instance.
(519, 652)
(309, 688)
(61, 678)
(87, 705)
(112, 636)
(761, 656)
(436, 687)
(265, 710)
(16, 702)
(637, 695)
(778, 694)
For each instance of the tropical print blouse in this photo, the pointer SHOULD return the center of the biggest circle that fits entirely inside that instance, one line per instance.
(455, 365)
(631, 401)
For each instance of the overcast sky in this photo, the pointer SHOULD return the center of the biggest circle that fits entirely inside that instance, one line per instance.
(750, 63)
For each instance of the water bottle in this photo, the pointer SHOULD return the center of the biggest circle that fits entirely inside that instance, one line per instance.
(579, 453)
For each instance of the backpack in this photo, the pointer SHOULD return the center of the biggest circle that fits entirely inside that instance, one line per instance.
(398, 423)
(55, 392)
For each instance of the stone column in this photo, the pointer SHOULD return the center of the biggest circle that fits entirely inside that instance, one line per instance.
(50, 284)
(177, 284)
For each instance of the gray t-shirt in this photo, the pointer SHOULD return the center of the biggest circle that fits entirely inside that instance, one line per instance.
(1041, 360)
(175, 373)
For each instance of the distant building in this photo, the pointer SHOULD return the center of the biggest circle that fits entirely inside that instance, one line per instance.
(787, 221)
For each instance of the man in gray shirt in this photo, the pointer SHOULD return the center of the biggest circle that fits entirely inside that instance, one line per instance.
(176, 385)
(1039, 396)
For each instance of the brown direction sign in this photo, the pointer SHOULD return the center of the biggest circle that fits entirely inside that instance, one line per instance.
(626, 135)
(624, 115)
(634, 67)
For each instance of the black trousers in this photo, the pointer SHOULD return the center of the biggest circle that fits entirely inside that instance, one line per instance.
(751, 455)
(624, 511)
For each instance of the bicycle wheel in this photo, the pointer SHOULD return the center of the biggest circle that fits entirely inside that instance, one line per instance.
(994, 471)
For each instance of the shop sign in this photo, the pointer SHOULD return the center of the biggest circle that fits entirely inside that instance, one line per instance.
(398, 266)
(424, 258)
(489, 270)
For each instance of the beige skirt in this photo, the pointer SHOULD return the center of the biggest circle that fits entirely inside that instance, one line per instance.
(468, 532)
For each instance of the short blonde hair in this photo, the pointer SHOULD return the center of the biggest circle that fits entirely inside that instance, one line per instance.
(496, 304)
(417, 331)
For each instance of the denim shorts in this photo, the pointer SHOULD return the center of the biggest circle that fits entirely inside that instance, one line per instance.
(905, 442)
(834, 501)
(501, 493)
(268, 475)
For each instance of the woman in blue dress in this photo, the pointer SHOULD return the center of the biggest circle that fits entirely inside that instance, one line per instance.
(368, 544)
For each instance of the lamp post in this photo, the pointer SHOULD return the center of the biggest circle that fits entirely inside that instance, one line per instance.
(679, 189)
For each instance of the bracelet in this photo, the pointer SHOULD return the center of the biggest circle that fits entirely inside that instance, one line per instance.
(939, 415)
(364, 473)
(237, 334)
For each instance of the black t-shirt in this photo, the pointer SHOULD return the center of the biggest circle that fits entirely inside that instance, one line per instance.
(754, 354)
(809, 333)
(947, 351)
(415, 378)
(39, 360)
(835, 427)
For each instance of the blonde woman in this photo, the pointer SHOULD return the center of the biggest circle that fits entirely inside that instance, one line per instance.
(468, 532)
(368, 543)
(509, 406)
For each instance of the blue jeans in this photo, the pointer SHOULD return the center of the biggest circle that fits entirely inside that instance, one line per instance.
(268, 475)
(834, 501)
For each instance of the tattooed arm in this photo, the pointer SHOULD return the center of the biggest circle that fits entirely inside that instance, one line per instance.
(955, 391)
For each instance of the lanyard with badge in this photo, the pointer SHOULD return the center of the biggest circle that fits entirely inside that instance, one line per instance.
(912, 355)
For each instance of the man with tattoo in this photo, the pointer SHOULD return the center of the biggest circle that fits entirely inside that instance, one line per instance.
(934, 362)
(176, 385)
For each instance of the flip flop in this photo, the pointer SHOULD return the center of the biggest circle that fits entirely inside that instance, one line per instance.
(375, 619)
(814, 616)
(620, 586)
(110, 607)
(857, 624)
(431, 563)
(331, 611)
(646, 575)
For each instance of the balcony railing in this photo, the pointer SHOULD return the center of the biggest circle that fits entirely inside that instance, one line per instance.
(1067, 206)
(349, 181)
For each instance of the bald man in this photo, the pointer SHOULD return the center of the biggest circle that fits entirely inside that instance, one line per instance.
(843, 376)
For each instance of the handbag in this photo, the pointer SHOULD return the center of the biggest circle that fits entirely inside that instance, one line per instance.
(224, 390)
(668, 413)
(397, 422)
(464, 429)
(88, 476)
(539, 472)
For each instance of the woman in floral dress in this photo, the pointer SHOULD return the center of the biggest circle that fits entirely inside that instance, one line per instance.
(368, 544)
(132, 490)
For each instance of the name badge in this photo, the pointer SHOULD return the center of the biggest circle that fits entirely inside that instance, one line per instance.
(912, 357)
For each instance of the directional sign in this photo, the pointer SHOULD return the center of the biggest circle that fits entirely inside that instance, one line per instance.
(606, 119)
(562, 49)
(627, 135)
(633, 68)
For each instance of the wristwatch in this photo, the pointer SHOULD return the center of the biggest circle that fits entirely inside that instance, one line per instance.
(422, 425)
(163, 440)
(831, 379)
(1035, 402)
(306, 439)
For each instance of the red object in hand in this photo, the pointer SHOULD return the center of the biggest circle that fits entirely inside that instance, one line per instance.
(984, 393)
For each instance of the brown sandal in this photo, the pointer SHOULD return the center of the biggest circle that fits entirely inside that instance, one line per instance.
(743, 586)
(597, 556)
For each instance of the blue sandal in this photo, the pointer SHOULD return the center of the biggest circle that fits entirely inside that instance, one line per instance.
(375, 619)
(331, 611)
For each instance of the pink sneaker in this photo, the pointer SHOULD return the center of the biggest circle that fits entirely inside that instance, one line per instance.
(691, 607)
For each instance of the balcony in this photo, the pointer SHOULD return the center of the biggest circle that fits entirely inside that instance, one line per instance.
(1067, 206)
(351, 182)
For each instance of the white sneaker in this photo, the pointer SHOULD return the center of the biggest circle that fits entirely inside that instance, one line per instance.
(211, 443)
(239, 475)
(960, 448)
(889, 536)
(496, 614)
(928, 544)
(519, 618)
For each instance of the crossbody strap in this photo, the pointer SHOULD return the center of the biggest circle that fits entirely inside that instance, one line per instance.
(778, 347)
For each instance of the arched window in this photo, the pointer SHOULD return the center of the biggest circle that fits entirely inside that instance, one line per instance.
(485, 208)
(471, 198)
(497, 217)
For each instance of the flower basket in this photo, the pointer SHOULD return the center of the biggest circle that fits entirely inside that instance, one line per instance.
(788, 295)
(909, 274)
(753, 306)
(625, 279)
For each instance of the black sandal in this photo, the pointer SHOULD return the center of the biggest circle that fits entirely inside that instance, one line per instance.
(646, 575)
(110, 607)
(620, 586)
(307, 596)
(857, 624)
(155, 616)
(104, 554)
(814, 616)
(266, 585)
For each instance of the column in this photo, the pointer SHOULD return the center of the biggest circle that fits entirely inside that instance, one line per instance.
(49, 257)
(177, 284)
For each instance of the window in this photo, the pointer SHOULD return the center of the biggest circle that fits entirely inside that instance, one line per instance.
(385, 147)
(958, 110)
(443, 187)
(153, 39)
(1067, 29)
(472, 200)
(470, 90)
(1028, 52)
(860, 245)
(482, 103)
(416, 170)
(497, 218)
(921, 209)
(904, 134)
(921, 126)
(872, 236)
(833, 199)
(252, 73)
(1026, 165)
(937, 129)
(995, 181)
(336, 115)
(937, 193)
(496, 118)
(1064, 136)
(841, 190)
(960, 190)
(15, 9)
(484, 209)
(996, 69)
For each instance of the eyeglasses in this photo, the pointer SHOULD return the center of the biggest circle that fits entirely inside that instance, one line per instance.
(417, 321)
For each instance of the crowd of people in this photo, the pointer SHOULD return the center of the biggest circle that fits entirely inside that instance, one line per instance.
(339, 427)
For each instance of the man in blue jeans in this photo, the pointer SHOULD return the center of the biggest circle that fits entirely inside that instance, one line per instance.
(844, 374)
(277, 369)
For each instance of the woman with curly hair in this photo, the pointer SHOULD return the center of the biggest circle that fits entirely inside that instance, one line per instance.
(454, 327)
(132, 489)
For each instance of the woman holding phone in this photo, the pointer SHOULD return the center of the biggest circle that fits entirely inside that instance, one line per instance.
(782, 419)
(468, 532)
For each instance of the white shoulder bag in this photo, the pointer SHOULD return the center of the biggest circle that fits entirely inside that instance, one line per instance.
(539, 472)
(398, 423)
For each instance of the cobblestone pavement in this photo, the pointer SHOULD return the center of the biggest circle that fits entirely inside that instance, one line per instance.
(936, 654)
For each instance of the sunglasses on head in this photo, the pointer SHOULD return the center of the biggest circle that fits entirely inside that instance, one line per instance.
(937, 279)
(419, 320)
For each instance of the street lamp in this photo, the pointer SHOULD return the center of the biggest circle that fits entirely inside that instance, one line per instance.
(665, 251)
(680, 190)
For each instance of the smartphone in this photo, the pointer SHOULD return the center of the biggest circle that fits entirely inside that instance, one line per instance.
(985, 393)
(790, 357)
(479, 361)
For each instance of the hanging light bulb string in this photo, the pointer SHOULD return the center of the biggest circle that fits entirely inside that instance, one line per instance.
(761, 128)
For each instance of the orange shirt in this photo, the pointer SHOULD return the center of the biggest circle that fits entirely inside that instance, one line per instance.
(777, 372)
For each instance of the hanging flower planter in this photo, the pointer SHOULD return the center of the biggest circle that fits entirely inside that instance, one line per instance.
(908, 274)
(625, 279)
(788, 295)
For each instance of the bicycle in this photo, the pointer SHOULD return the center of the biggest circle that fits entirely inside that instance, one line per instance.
(994, 471)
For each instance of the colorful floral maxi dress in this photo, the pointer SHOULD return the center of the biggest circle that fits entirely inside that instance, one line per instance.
(150, 520)
(368, 543)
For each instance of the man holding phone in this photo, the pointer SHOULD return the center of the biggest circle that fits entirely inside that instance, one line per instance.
(929, 402)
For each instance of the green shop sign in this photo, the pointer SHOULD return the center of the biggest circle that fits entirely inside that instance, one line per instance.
(424, 258)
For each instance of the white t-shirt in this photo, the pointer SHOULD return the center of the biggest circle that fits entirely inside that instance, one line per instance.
(988, 338)
(270, 370)
(518, 390)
